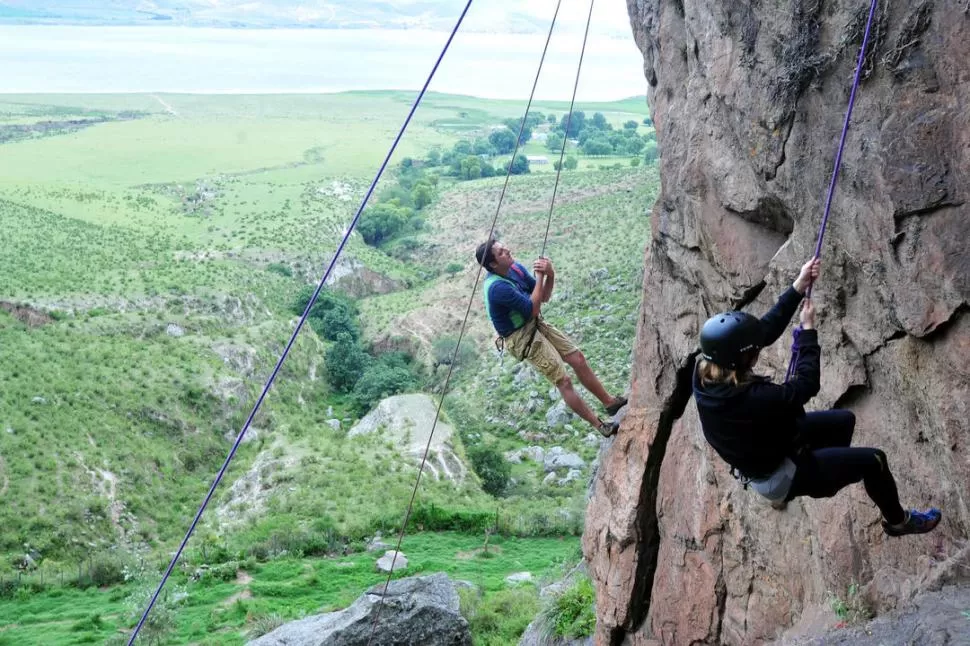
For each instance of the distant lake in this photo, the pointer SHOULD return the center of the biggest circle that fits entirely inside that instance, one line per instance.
(68, 59)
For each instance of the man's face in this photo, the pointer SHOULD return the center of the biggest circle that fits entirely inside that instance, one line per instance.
(503, 257)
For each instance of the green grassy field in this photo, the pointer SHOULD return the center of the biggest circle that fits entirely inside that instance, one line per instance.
(151, 258)
(229, 604)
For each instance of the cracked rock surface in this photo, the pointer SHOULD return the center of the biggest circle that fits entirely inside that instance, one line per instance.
(748, 99)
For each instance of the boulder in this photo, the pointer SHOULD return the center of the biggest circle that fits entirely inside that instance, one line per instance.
(392, 561)
(518, 578)
(407, 421)
(417, 610)
(558, 458)
(558, 414)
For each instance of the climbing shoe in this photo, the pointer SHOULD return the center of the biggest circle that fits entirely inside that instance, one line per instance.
(608, 429)
(618, 402)
(916, 523)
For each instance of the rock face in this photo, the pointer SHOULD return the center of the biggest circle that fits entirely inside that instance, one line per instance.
(932, 618)
(748, 99)
(418, 610)
(408, 420)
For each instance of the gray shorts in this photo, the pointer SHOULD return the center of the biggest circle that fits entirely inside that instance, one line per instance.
(776, 486)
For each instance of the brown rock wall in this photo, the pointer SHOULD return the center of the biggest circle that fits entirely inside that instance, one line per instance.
(748, 99)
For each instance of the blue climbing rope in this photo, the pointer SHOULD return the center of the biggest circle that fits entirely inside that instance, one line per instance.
(835, 172)
(299, 326)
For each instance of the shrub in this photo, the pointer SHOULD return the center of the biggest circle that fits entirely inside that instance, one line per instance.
(500, 617)
(572, 614)
(263, 624)
(492, 468)
(379, 381)
(345, 362)
(281, 269)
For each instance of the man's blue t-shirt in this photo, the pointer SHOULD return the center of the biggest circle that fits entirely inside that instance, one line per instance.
(505, 300)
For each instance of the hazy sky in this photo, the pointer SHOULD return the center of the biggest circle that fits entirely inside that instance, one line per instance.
(609, 16)
(484, 60)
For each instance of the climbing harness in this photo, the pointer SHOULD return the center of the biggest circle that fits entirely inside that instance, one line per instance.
(296, 331)
(835, 173)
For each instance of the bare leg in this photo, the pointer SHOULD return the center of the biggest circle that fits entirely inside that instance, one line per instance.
(577, 361)
(575, 402)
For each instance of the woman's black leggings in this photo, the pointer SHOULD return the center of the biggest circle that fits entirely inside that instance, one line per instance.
(828, 464)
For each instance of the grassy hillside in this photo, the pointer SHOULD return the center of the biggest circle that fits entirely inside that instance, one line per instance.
(153, 250)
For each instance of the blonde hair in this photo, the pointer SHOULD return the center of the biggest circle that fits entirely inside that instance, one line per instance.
(711, 374)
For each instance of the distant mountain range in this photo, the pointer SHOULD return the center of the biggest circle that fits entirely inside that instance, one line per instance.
(505, 16)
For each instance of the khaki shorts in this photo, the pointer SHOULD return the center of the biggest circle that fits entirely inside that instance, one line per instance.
(548, 348)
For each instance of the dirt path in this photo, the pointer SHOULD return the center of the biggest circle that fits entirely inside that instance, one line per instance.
(168, 108)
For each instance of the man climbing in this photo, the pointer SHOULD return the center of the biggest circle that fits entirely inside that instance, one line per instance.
(513, 301)
(761, 428)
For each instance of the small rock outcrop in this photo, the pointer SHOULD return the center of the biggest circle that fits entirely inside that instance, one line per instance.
(407, 420)
(418, 610)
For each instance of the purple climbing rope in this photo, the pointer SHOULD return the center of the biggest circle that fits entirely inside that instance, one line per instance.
(835, 172)
(299, 326)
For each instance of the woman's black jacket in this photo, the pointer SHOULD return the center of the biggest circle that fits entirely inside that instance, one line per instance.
(753, 426)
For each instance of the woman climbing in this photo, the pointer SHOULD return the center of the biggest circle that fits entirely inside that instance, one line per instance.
(761, 428)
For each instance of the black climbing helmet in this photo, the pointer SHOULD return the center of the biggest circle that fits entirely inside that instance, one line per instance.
(727, 336)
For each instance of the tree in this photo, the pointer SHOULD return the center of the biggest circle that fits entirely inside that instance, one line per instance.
(634, 161)
(633, 145)
(483, 147)
(503, 140)
(515, 124)
(471, 167)
(630, 125)
(492, 468)
(554, 141)
(533, 119)
(381, 221)
(422, 194)
(576, 124)
(520, 165)
(647, 121)
(345, 362)
(434, 156)
(379, 381)
(335, 322)
(650, 152)
(331, 314)
(600, 122)
(571, 163)
(463, 147)
(598, 145)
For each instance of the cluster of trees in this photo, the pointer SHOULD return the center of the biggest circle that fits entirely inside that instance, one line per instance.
(350, 368)
(397, 211)
(597, 136)
(470, 159)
